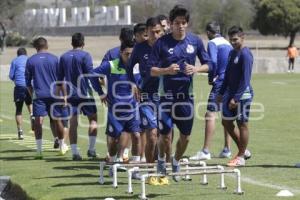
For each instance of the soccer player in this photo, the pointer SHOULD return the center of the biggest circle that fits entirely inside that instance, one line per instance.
(236, 94)
(21, 94)
(42, 70)
(165, 23)
(126, 35)
(148, 86)
(140, 33)
(121, 116)
(76, 66)
(173, 59)
(218, 49)
(292, 54)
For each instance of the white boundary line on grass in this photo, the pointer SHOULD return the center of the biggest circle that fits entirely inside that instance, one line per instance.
(268, 185)
(48, 128)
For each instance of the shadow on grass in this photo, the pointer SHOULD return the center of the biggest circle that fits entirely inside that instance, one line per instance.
(70, 176)
(17, 151)
(76, 167)
(136, 196)
(271, 166)
(86, 184)
(16, 158)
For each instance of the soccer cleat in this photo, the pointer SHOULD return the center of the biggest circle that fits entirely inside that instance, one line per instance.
(136, 176)
(32, 119)
(163, 180)
(91, 154)
(152, 180)
(236, 162)
(161, 167)
(38, 156)
(56, 144)
(63, 150)
(225, 153)
(20, 135)
(76, 157)
(175, 169)
(247, 154)
(201, 156)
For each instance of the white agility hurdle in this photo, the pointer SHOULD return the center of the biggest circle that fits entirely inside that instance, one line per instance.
(237, 172)
(186, 173)
(116, 166)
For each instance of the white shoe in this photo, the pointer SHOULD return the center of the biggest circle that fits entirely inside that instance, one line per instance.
(143, 160)
(247, 154)
(201, 156)
(236, 162)
(63, 150)
(225, 153)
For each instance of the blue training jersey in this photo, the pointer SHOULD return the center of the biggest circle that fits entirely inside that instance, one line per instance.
(42, 68)
(167, 51)
(140, 55)
(17, 70)
(238, 75)
(111, 54)
(218, 49)
(76, 67)
(119, 89)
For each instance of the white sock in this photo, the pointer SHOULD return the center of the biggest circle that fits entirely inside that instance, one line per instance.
(162, 159)
(126, 152)
(74, 149)
(136, 158)
(92, 142)
(175, 162)
(39, 143)
(61, 143)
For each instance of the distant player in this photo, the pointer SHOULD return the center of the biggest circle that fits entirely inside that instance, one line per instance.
(21, 94)
(218, 49)
(148, 86)
(76, 66)
(173, 59)
(165, 23)
(292, 54)
(42, 70)
(236, 94)
(140, 33)
(121, 116)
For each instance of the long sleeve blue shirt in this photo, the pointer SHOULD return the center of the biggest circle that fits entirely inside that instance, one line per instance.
(17, 70)
(238, 75)
(218, 49)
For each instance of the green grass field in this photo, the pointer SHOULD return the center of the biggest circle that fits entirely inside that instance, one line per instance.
(274, 143)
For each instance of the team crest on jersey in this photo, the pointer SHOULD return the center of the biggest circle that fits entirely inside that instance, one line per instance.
(190, 49)
(171, 50)
(110, 128)
(236, 60)
(146, 56)
(145, 122)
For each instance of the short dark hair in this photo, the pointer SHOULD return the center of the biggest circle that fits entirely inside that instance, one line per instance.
(179, 10)
(40, 43)
(126, 34)
(162, 17)
(235, 30)
(152, 21)
(77, 40)
(21, 51)
(139, 28)
(127, 44)
(213, 27)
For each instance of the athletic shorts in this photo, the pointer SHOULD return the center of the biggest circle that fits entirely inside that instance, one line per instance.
(49, 106)
(148, 114)
(85, 106)
(176, 111)
(21, 94)
(118, 124)
(240, 114)
(212, 104)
